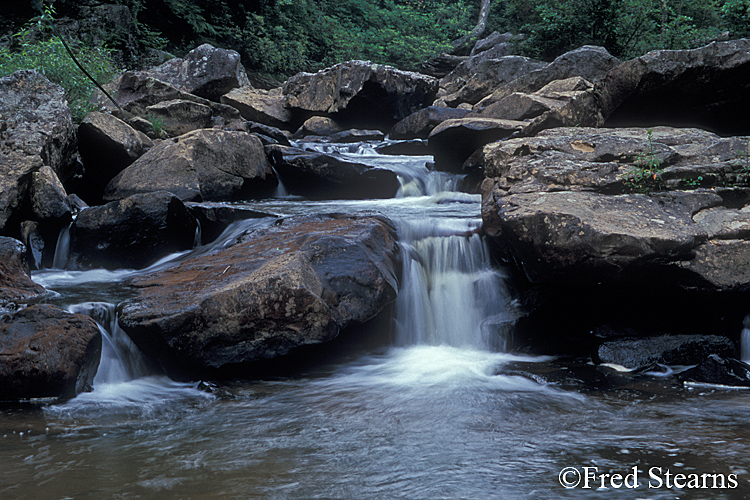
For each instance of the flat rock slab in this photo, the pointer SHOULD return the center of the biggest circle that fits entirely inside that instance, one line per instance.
(280, 286)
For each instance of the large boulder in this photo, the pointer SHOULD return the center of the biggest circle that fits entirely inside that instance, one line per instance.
(708, 87)
(47, 353)
(589, 62)
(279, 287)
(622, 227)
(721, 370)
(453, 141)
(178, 117)
(479, 76)
(107, 145)
(331, 176)
(202, 165)
(640, 353)
(36, 129)
(262, 106)
(15, 282)
(419, 124)
(360, 93)
(131, 233)
(205, 71)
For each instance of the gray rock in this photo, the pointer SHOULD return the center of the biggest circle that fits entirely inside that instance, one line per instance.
(277, 288)
(202, 165)
(262, 106)
(637, 353)
(419, 124)
(716, 369)
(331, 176)
(178, 116)
(364, 94)
(47, 353)
(49, 201)
(205, 71)
(131, 233)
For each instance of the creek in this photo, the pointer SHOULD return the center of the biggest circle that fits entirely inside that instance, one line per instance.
(424, 414)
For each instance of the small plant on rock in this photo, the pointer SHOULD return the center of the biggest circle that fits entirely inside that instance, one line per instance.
(645, 176)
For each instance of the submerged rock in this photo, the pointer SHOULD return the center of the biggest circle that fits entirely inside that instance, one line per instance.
(131, 233)
(202, 165)
(281, 286)
(46, 352)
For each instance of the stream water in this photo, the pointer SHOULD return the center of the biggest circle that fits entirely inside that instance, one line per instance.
(424, 416)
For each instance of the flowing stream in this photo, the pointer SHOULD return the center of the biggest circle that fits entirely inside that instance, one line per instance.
(426, 415)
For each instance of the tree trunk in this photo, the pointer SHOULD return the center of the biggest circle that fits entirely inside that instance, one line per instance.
(463, 45)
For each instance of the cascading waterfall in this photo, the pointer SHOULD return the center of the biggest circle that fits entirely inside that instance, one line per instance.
(745, 340)
(62, 248)
(121, 360)
(451, 295)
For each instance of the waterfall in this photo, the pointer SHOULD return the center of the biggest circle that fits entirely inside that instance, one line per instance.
(281, 190)
(62, 248)
(198, 238)
(121, 360)
(451, 295)
(745, 340)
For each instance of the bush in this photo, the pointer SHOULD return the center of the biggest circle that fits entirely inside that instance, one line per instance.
(35, 48)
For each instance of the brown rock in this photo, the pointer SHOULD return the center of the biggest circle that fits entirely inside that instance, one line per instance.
(262, 106)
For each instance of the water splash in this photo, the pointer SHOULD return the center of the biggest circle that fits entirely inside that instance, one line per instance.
(745, 340)
(451, 295)
(62, 248)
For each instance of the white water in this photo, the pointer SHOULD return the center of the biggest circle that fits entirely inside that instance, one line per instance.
(745, 340)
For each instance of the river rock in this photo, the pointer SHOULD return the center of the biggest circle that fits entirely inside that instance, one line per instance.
(331, 176)
(294, 283)
(356, 135)
(262, 106)
(318, 125)
(205, 71)
(716, 369)
(518, 106)
(589, 62)
(706, 87)
(49, 201)
(202, 165)
(501, 44)
(36, 129)
(46, 352)
(15, 281)
(413, 147)
(479, 76)
(178, 117)
(363, 94)
(640, 353)
(419, 124)
(453, 141)
(214, 219)
(107, 146)
(131, 233)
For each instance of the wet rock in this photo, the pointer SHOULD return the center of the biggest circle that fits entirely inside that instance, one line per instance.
(205, 71)
(178, 117)
(262, 106)
(46, 352)
(36, 130)
(277, 288)
(107, 145)
(638, 353)
(705, 87)
(356, 135)
(131, 233)
(202, 165)
(717, 369)
(363, 94)
(453, 141)
(563, 374)
(419, 124)
(215, 219)
(15, 281)
(414, 147)
(331, 176)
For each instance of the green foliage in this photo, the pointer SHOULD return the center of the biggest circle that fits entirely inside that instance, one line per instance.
(36, 48)
(645, 176)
